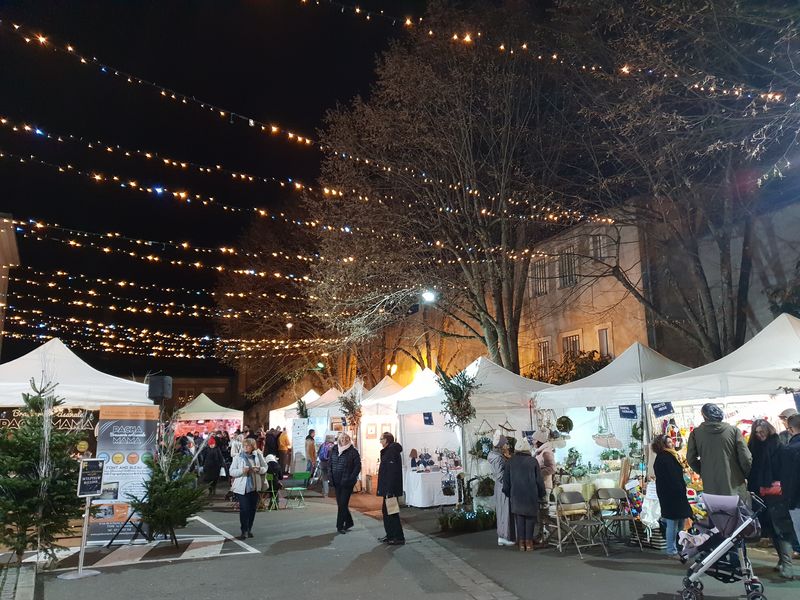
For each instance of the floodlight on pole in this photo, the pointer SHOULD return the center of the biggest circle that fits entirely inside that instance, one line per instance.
(428, 296)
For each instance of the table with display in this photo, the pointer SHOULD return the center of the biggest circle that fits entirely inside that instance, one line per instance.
(425, 489)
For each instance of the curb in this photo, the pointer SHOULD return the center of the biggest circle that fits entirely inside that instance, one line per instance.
(18, 583)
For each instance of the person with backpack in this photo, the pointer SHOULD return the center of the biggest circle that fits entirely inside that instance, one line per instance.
(324, 458)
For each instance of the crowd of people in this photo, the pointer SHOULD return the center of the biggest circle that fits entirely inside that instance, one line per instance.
(767, 466)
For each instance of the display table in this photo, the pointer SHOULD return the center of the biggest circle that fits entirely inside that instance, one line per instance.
(425, 489)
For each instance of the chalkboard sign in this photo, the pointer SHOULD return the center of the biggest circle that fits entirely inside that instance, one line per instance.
(90, 477)
(627, 411)
(662, 409)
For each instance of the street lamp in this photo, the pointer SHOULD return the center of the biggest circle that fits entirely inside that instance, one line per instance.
(392, 369)
(428, 296)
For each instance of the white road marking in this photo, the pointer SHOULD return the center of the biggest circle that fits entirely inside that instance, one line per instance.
(226, 535)
(203, 548)
(125, 555)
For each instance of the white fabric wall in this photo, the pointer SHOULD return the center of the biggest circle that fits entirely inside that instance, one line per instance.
(415, 434)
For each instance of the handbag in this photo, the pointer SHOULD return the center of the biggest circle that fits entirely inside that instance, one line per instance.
(392, 506)
(773, 490)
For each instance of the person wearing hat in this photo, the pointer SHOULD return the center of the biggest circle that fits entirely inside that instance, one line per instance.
(497, 460)
(785, 435)
(718, 453)
(522, 483)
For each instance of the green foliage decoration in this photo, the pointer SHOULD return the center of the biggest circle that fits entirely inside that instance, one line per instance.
(462, 520)
(457, 406)
(38, 478)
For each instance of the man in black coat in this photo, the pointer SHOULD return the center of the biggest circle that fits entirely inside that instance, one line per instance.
(790, 472)
(390, 485)
(345, 468)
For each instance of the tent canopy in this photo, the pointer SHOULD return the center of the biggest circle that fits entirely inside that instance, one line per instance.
(204, 408)
(421, 395)
(499, 388)
(377, 402)
(620, 382)
(761, 366)
(79, 385)
(326, 405)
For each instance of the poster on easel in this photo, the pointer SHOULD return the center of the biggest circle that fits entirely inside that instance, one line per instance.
(126, 436)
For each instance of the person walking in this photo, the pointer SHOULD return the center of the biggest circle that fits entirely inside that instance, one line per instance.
(718, 453)
(390, 485)
(523, 484)
(284, 450)
(785, 435)
(271, 443)
(345, 467)
(764, 481)
(671, 490)
(311, 451)
(790, 472)
(212, 461)
(247, 469)
(497, 461)
(324, 457)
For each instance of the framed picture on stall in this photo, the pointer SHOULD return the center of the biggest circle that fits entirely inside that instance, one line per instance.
(386, 427)
(372, 431)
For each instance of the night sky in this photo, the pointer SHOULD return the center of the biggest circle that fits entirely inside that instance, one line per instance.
(276, 61)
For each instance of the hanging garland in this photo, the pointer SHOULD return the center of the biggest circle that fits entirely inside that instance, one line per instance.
(457, 407)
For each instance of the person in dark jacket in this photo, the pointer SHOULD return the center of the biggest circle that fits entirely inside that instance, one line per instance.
(271, 443)
(345, 467)
(212, 460)
(390, 485)
(524, 486)
(671, 490)
(790, 472)
(765, 446)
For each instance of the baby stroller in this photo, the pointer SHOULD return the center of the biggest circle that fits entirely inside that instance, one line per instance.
(718, 548)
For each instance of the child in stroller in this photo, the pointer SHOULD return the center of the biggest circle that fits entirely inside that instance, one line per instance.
(718, 547)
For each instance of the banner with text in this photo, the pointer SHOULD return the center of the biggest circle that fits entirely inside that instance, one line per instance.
(126, 436)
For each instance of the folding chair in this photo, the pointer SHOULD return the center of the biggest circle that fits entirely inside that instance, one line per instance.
(576, 523)
(268, 500)
(616, 515)
(294, 494)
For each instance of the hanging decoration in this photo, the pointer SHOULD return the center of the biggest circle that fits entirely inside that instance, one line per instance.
(457, 407)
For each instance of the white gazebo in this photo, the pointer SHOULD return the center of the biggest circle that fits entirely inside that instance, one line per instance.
(277, 416)
(378, 414)
(204, 412)
(79, 385)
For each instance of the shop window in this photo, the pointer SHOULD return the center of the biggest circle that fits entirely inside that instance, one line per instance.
(540, 277)
(567, 268)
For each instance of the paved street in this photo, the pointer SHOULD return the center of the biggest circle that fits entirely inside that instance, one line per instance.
(299, 554)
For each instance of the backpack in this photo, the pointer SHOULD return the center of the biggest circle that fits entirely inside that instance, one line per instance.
(325, 451)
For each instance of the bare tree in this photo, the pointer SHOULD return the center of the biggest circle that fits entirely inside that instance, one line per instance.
(459, 181)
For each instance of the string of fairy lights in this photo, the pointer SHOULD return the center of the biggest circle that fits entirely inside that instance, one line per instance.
(118, 150)
(700, 81)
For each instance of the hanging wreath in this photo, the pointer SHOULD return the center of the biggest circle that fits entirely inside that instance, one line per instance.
(564, 424)
(457, 407)
(482, 447)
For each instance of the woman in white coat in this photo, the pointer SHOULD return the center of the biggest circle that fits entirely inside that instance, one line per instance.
(497, 459)
(247, 470)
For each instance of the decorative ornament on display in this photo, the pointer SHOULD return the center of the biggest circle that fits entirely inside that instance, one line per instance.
(564, 424)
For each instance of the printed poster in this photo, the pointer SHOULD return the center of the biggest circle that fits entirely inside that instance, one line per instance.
(126, 435)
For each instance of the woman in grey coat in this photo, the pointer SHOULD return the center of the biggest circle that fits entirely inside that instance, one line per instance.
(497, 460)
(523, 484)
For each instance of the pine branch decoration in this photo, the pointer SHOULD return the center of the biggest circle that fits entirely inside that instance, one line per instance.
(457, 407)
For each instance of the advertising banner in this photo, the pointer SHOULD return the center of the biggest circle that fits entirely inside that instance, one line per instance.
(126, 436)
(65, 418)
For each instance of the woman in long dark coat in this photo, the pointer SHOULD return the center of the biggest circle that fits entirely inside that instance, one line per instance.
(671, 490)
(212, 460)
(523, 484)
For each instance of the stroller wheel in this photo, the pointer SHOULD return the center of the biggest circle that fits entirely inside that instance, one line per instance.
(689, 584)
(693, 594)
(756, 586)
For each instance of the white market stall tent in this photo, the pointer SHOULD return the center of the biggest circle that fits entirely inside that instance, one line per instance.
(378, 414)
(763, 365)
(79, 384)
(277, 416)
(500, 398)
(619, 383)
(203, 414)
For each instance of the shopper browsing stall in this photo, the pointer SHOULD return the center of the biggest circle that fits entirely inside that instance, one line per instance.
(671, 490)
(522, 483)
(497, 460)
